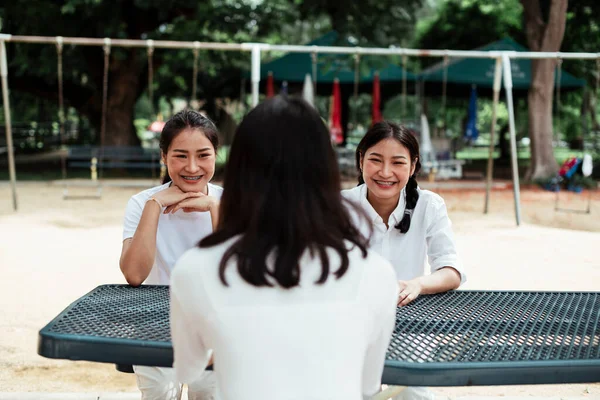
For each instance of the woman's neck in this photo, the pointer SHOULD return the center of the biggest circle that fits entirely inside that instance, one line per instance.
(383, 207)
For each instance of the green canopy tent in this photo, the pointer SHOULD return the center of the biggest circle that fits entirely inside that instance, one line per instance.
(462, 73)
(293, 67)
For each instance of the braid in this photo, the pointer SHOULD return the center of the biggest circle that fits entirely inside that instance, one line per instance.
(412, 196)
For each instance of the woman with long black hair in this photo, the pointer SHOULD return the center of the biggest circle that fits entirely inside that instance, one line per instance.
(284, 291)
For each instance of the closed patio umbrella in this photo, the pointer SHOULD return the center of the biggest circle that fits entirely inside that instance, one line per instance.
(335, 119)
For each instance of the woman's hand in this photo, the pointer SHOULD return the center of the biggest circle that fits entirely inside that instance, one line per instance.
(173, 195)
(409, 290)
(200, 203)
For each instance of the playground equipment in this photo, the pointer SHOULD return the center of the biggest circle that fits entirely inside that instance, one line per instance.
(501, 56)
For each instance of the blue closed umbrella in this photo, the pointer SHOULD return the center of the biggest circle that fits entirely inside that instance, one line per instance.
(471, 132)
(284, 88)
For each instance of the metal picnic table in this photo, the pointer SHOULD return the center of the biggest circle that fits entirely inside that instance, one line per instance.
(459, 338)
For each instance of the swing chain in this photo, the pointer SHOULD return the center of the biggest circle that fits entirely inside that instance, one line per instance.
(597, 74)
(106, 48)
(61, 108)
(559, 62)
(404, 62)
(195, 73)
(355, 95)
(150, 52)
(444, 90)
(356, 74)
(313, 58)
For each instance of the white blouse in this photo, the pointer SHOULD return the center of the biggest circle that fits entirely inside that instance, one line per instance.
(175, 234)
(430, 234)
(310, 342)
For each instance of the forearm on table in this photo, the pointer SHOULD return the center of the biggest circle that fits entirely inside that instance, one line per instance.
(442, 280)
(136, 262)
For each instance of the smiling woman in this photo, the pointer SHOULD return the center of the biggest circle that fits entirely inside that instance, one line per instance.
(408, 224)
(163, 222)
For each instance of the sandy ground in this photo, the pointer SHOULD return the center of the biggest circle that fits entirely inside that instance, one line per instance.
(52, 251)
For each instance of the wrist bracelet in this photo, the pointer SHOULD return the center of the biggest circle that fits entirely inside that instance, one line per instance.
(156, 200)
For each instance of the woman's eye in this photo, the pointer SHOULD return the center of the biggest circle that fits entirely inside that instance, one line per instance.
(374, 160)
(204, 155)
(180, 156)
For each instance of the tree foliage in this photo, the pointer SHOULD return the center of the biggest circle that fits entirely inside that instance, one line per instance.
(32, 68)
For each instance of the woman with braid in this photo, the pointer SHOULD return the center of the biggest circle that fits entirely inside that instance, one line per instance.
(409, 224)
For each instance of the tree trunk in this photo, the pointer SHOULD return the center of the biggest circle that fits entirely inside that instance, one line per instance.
(547, 36)
(543, 163)
(123, 81)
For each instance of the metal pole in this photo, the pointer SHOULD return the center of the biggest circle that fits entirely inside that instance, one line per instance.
(490, 165)
(255, 74)
(173, 44)
(513, 138)
(7, 124)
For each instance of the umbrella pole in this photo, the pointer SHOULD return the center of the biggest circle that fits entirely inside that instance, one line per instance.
(490, 164)
(9, 142)
(513, 140)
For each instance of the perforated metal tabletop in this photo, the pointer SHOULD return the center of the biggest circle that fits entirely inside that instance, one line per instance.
(458, 338)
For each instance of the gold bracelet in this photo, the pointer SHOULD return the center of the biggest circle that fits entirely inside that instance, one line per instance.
(156, 200)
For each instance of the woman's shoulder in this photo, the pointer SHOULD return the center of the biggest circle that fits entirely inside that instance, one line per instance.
(428, 197)
(197, 260)
(215, 190)
(354, 193)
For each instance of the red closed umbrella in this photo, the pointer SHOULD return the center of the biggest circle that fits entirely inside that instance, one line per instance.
(270, 85)
(335, 117)
(376, 113)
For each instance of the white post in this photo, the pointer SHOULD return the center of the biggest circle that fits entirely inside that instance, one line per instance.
(255, 74)
(490, 166)
(513, 138)
(7, 123)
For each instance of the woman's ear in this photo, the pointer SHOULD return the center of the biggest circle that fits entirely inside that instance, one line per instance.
(360, 164)
(163, 157)
(413, 166)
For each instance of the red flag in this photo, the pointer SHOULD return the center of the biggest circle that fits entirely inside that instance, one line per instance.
(376, 113)
(270, 85)
(335, 117)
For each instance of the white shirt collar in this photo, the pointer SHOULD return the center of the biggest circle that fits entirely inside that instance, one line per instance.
(397, 214)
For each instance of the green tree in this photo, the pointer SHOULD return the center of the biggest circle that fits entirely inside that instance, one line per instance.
(33, 67)
(468, 24)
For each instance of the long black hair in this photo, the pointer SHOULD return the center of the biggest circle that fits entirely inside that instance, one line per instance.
(186, 119)
(282, 195)
(384, 130)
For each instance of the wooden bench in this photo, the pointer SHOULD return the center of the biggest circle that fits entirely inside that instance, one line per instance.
(99, 158)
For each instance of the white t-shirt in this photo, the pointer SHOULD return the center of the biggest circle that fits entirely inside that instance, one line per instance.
(430, 234)
(306, 343)
(176, 233)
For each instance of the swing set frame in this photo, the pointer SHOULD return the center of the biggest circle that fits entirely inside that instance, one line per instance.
(502, 72)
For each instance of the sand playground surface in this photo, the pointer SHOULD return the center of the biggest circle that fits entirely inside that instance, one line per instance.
(52, 251)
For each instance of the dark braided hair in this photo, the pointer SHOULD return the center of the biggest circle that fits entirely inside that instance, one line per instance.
(384, 130)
